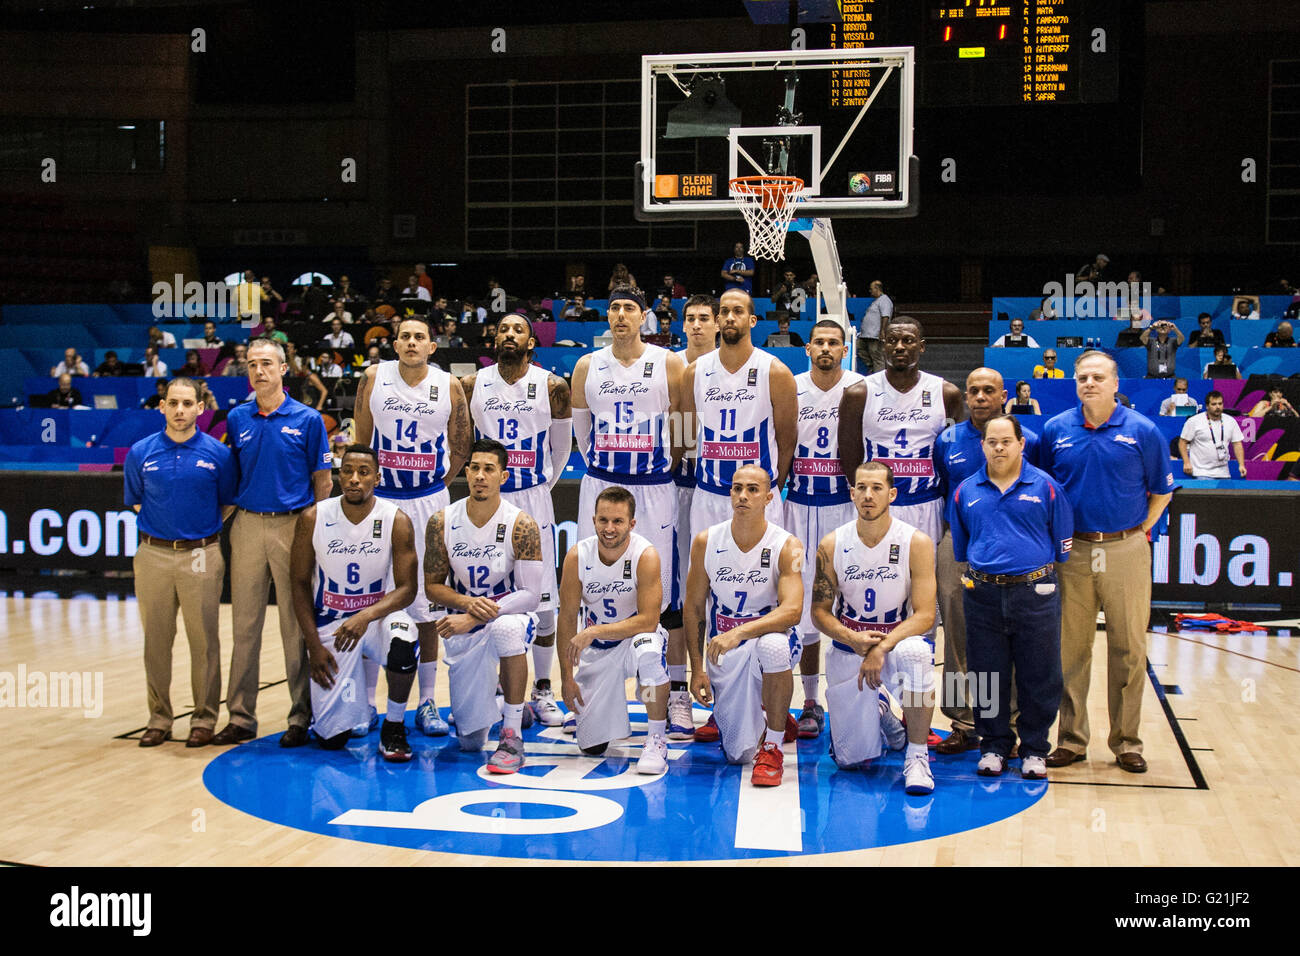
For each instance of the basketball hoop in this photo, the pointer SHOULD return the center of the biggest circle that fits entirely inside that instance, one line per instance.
(767, 203)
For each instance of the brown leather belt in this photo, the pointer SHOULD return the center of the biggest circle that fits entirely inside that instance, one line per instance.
(1106, 535)
(1042, 572)
(180, 545)
(274, 514)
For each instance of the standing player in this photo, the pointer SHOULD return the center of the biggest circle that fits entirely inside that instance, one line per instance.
(613, 581)
(874, 597)
(744, 594)
(817, 500)
(416, 418)
(362, 550)
(483, 561)
(700, 325)
(527, 410)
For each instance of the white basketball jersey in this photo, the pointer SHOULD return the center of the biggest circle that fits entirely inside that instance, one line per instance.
(629, 412)
(519, 417)
(608, 591)
(875, 584)
(900, 429)
(816, 477)
(742, 584)
(736, 427)
(684, 474)
(410, 432)
(354, 562)
(482, 560)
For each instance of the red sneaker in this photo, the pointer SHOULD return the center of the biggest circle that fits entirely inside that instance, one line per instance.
(708, 733)
(769, 764)
(791, 729)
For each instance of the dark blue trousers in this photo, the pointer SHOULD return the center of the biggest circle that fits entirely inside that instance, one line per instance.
(1016, 625)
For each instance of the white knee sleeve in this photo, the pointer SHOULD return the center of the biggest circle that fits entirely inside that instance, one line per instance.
(508, 634)
(913, 667)
(648, 650)
(774, 653)
(398, 637)
(810, 638)
(546, 622)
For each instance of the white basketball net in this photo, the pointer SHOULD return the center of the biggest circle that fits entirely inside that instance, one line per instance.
(767, 203)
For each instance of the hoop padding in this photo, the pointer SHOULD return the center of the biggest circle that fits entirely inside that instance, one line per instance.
(768, 204)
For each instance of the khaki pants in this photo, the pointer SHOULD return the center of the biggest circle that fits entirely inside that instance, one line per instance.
(948, 571)
(871, 355)
(1121, 585)
(191, 580)
(259, 553)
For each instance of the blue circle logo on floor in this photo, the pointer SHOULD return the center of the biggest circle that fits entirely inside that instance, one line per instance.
(566, 806)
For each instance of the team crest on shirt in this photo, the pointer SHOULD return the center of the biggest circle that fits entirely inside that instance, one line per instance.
(627, 569)
(925, 399)
(1125, 439)
(1066, 544)
(753, 377)
(649, 370)
(765, 560)
(532, 390)
(433, 393)
(378, 530)
(501, 533)
(893, 554)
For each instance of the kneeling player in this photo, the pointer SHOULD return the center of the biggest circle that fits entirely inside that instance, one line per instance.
(745, 594)
(483, 562)
(873, 595)
(612, 580)
(362, 550)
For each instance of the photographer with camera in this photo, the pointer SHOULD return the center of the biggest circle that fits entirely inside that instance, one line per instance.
(1162, 348)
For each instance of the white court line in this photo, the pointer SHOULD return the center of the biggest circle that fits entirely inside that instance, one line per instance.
(769, 818)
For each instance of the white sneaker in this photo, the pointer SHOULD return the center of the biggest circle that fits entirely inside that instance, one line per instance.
(893, 729)
(917, 778)
(544, 707)
(654, 755)
(681, 723)
(990, 765)
(570, 725)
(1033, 768)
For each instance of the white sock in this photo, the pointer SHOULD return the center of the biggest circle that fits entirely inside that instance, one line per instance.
(428, 676)
(775, 737)
(372, 678)
(396, 711)
(513, 715)
(917, 750)
(677, 673)
(810, 682)
(659, 727)
(542, 657)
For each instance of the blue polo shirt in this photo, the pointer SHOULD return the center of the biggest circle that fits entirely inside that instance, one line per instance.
(1108, 471)
(181, 487)
(277, 454)
(959, 453)
(1014, 531)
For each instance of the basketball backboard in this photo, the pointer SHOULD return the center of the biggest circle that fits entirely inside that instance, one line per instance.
(840, 120)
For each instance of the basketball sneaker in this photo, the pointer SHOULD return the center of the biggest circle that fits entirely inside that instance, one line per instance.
(1033, 768)
(893, 729)
(990, 765)
(791, 729)
(917, 778)
(509, 755)
(654, 755)
(811, 720)
(362, 729)
(681, 725)
(429, 722)
(392, 742)
(709, 733)
(570, 725)
(543, 705)
(769, 764)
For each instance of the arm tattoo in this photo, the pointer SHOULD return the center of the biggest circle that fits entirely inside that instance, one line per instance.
(823, 589)
(459, 432)
(467, 385)
(527, 539)
(561, 400)
(436, 565)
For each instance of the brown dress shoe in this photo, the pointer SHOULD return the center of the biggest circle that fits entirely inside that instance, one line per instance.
(154, 736)
(1132, 762)
(1061, 757)
(295, 736)
(959, 741)
(232, 734)
(199, 737)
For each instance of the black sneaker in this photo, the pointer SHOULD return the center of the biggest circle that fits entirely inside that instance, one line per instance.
(392, 742)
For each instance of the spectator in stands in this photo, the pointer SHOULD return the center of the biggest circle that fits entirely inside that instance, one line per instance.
(269, 331)
(1016, 338)
(1222, 366)
(385, 294)
(1275, 404)
(784, 290)
(424, 280)
(312, 388)
(339, 312)
(1044, 311)
(664, 311)
(414, 290)
(326, 367)
(578, 284)
(1245, 307)
(72, 364)
(1023, 403)
(210, 338)
(1180, 399)
(449, 339)
(110, 367)
(238, 365)
(1280, 338)
(871, 354)
(373, 355)
(620, 278)
(1205, 336)
(472, 313)
(1203, 444)
(154, 367)
(1092, 271)
(271, 300)
(193, 367)
(160, 394)
(1048, 369)
(440, 313)
(671, 287)
(649, 321)
(160, 339)
(248, 298)
(1162, 348)
(315, 300)
(339, 337)
(345, 293)
(576, 308)
(783, 328)
(64, 395)
(738, 271)
(206, 399)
